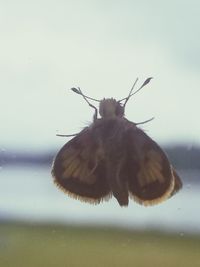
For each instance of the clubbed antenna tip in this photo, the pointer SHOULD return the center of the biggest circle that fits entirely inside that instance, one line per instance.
(78, 91)
(146, 82)
(75, 90)
(131, 93)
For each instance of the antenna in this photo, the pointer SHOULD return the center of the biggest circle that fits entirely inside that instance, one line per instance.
(131, 94)
(79, 92)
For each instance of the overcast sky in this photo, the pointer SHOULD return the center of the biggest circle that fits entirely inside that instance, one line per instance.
(48, 47)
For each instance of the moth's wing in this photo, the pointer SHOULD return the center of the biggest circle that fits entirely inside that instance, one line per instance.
(178, 184)
(151, 179)
(78, 170)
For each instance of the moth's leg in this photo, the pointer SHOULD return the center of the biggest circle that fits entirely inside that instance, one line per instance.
(96, 111)
(142, 122)
(66, 135)
(117, 181)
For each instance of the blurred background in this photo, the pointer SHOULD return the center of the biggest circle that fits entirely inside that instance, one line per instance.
(47, 47)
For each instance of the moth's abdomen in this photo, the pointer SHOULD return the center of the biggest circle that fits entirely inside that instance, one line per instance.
(118, 182)
(110, 135)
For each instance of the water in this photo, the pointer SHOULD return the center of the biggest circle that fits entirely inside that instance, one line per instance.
(28, 194)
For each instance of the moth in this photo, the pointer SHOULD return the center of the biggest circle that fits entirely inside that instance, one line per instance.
(114, 157)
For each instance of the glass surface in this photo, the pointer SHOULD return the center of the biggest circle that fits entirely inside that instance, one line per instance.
(101, 46)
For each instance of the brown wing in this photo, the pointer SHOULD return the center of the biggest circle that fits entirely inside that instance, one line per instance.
(79, 170)
(151, 177)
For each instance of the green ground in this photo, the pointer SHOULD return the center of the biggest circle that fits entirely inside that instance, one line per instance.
(46, 246)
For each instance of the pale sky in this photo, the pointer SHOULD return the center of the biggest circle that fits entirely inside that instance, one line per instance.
(47, 47)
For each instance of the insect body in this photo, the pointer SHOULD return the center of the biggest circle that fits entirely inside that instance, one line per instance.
(114, 157)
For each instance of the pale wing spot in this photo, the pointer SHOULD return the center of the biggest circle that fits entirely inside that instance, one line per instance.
(79, 170)
(83, 173)
(69, 169)
(150, 177)
(67, 160)
(75, 165)
(156, 165)
(156, 172)
(149, 174)
(159, 176)
(87, 176)
(146, 175)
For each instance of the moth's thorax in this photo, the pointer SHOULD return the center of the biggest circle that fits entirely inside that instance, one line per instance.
(110, 108)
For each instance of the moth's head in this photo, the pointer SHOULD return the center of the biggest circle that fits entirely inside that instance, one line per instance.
(110, 108)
